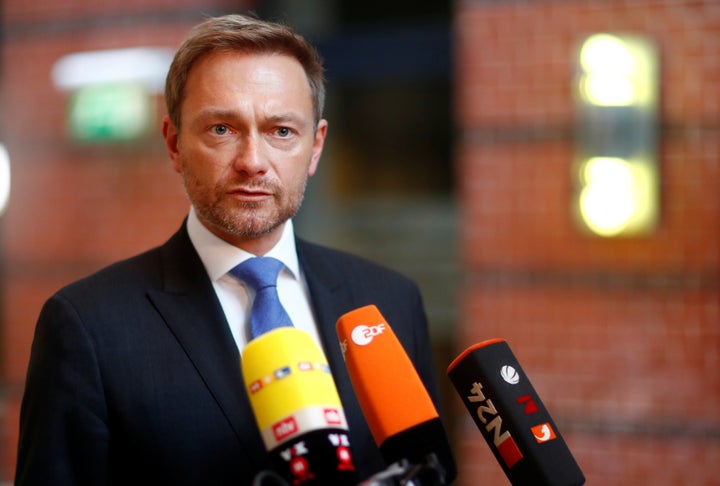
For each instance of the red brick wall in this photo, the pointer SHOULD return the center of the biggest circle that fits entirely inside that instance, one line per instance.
(621, 337)
(73, 208)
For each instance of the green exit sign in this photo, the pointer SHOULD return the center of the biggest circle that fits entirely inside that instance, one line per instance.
(110, 112)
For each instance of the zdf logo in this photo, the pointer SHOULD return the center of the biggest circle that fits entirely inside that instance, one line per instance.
(363, 335)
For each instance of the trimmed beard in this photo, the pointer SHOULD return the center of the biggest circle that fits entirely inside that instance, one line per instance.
(249, 225)
(243, 220)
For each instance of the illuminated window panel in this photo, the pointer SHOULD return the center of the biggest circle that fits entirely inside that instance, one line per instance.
(616, 171)
(110, 112)
(111, 91)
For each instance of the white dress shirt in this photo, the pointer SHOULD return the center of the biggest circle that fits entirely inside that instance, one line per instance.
(219, 257)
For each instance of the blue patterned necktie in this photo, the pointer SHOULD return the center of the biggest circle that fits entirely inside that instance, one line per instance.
(267, 312)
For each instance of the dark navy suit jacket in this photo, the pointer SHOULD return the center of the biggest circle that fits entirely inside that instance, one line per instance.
(134, 376)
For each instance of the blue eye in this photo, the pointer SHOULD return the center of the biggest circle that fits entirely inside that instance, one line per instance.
(283, 132)
(220, 129)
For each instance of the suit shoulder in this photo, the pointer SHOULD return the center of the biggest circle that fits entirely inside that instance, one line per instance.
(141, 270)
(119, 276)
(362, 274)
(346, 261)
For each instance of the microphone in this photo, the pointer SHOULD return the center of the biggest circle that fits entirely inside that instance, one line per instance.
(297, 408)
(398, 409)
(511, 417)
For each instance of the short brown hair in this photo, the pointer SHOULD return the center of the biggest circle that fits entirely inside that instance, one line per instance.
(246, 34)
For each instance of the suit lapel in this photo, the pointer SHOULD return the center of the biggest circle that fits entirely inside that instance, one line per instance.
(191, 310)
(331, 298)
(328, 294)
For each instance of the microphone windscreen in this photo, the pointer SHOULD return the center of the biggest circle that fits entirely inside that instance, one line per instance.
(512, 419)
(397, 407)
(297, 407)
(388, 388)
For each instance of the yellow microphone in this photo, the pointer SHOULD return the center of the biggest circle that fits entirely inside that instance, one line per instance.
(297, 408)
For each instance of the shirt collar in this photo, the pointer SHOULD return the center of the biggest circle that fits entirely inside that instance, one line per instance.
(219, 256)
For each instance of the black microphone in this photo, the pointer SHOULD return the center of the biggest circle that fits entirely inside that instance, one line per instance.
(297, 409)
(511, 417)
(399, 411)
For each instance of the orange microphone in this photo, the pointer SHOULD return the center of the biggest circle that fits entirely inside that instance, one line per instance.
(399, 411)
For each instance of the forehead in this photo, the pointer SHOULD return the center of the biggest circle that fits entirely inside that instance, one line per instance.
(224, 76)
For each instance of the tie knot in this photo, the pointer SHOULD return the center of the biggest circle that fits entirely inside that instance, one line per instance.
(267, 312)
(258, 272)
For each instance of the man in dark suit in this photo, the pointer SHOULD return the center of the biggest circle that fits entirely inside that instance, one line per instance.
(134, 376)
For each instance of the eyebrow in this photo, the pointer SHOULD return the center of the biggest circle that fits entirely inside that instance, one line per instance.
(210, 113)
(288, 117)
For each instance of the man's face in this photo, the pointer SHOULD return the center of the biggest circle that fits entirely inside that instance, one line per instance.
(246, 145)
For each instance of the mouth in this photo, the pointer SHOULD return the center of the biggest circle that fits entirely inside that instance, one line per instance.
(250, 194)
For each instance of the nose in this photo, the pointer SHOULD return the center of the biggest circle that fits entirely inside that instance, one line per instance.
(250, 157)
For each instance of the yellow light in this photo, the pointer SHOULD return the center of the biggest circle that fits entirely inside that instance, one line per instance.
(615, 71)
(606, 52)
(608, 68)
(608, 89)
(606, 201)
(617, 195)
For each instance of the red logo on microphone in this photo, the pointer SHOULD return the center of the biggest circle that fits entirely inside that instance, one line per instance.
(332, 416)
(344, 459)
(509, 451)
(285, 428)
(300, 468)
(255, 386)
(543, 433)
(530, 405)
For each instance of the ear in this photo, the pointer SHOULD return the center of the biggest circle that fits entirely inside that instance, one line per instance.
(318, 143)
(170, 134)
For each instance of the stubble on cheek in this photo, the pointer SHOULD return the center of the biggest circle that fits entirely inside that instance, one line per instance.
(242, 219)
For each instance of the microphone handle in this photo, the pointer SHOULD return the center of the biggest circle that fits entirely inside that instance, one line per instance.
(428, 472)
(317, 457)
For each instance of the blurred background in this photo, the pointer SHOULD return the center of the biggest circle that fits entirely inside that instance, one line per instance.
(547, 170)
